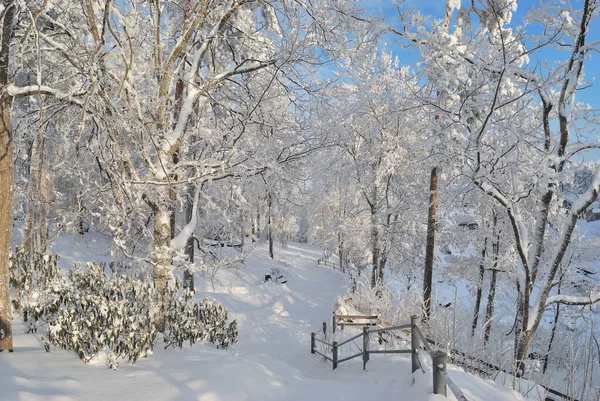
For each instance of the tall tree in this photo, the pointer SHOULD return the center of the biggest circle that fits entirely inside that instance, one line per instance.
(7, 14)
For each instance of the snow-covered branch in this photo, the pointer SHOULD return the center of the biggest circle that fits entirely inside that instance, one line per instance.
(23, 91)
(571, 300)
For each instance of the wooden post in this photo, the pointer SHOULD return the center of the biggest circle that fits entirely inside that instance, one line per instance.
(365, 346)
(439, 364)
(333, 322)
(312, 342)
(415, 342)
(335, 354)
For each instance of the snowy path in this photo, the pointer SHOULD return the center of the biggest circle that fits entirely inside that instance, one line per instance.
(271, 361)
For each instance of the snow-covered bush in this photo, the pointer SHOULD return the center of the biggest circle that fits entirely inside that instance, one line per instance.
(30, 274)
(89, 312)
(188, 321)
(382, 300)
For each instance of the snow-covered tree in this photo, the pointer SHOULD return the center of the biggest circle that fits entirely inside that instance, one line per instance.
(502, 111)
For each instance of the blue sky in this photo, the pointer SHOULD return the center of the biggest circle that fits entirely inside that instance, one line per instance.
(435, 8)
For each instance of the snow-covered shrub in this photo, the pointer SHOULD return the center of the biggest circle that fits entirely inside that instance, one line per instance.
(188, 321)
(382, 300)
(30, 274)
(89, 312)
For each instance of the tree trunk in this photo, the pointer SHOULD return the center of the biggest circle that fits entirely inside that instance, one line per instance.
(431, 219)
(554, 325)
(479, 288)
(6, 177)
(341, 250)
(79, 200)
(374, 246)
(6, 174)
(253, 229)
(270, 224)
(29, 237)
(523, 333)
(242, 234)
(188, 275)
(489, 311)
(163, 258)
(258, 234)
(44, 205)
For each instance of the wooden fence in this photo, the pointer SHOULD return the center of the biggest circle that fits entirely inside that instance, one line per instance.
(418, 341)
(325, 262)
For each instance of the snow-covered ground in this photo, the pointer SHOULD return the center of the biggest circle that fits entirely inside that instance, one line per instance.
(271, 361)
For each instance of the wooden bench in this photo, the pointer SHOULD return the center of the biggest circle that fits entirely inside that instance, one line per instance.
(354, 320)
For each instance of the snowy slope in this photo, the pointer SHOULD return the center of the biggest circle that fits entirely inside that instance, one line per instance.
(271, 361)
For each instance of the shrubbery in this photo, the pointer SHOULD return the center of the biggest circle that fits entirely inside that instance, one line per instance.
(29, 274)
(89, 312)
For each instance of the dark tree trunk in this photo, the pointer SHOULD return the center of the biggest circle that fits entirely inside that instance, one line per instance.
(258, 233)
(44, 201)
(253, 230)
(431, 220)
(270, 224)
(489, 311)
(479, 288)
(554, 325)
(188, 275)
(374, 246)
(341, 250)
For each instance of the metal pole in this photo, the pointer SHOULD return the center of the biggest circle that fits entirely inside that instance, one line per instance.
(335, 354)
(439, 364)
(365, 346)
(415, 342)
(312, 342)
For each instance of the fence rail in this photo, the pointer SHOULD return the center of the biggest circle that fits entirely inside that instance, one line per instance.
(418, 340)
(327, 263)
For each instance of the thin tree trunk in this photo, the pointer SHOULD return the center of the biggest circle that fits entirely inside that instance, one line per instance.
(479, 288)
(79, 200)
(253, 229)
(489, 311)
(270, 224)
(431, 220)
(242, 234)
(188, 275)
(374, 246)
(554, 326)
(341, 250)
(258, 233)
(6, 176)
(44, 206)
(29, 237)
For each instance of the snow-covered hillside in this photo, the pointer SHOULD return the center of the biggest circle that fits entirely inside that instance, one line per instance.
(271, 361)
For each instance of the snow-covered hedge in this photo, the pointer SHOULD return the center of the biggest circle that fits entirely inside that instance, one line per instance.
(89, 312)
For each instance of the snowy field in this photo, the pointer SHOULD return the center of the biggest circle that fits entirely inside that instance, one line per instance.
(271, 361)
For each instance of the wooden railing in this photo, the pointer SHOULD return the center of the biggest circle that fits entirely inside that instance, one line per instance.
(441, 379)
(325, 262)
(439, 358)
